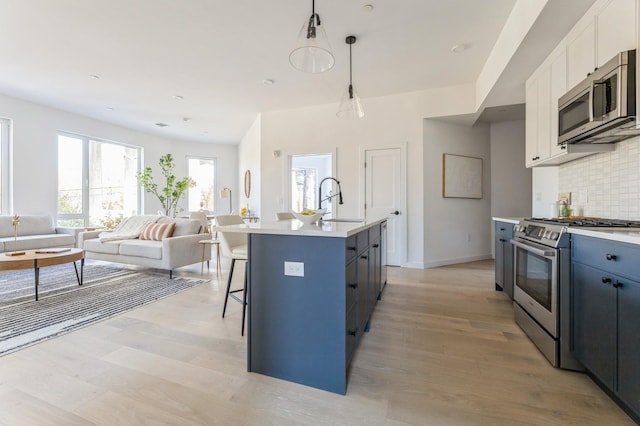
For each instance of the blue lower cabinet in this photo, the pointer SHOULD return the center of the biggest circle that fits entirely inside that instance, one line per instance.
(629, 352)
(594, 322)
(305, 329)
(605, 303)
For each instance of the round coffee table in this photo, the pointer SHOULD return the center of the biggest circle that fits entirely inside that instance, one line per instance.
(37, 259)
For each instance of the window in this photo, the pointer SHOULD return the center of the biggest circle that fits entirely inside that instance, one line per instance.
(5, 171)
(306, 173)
(201, 170)
(97, 183)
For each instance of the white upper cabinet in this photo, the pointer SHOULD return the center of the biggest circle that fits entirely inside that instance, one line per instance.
(609, 28)
(558, 88)
(616, 29)
(581, 56)
(531, 123)
(611, 31)
(538, 119)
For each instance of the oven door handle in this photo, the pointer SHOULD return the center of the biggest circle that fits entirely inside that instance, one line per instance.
(542, 251)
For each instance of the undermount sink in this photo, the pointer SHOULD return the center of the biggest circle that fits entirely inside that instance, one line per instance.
(337, 219)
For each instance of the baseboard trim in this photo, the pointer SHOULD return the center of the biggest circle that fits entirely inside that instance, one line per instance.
(446, 262)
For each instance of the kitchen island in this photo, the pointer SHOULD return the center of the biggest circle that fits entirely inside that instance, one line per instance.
(311, 291)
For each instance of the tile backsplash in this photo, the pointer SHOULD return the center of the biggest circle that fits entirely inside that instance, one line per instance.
(608, 181)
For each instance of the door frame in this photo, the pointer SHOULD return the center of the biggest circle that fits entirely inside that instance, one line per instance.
(402, 218)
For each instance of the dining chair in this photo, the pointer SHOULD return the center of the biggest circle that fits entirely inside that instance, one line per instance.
(284, 215)
(234, 246)
(202, 217)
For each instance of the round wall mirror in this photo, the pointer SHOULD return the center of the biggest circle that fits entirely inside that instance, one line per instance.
(247, 183)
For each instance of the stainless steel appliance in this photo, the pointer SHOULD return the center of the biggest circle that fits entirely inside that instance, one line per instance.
(542, 266)
(542, 280)
(601, 108)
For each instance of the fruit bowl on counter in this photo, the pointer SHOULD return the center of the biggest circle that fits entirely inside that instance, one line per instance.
(308, 216)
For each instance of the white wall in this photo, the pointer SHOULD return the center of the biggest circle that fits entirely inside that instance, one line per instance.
(456, 229)
(249, 153)
(544, 188)
(226, 157)
(35, 152)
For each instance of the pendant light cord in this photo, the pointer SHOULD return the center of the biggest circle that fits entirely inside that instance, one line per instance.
(350, 73)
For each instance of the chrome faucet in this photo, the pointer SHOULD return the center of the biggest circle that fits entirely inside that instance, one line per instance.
(339, 194)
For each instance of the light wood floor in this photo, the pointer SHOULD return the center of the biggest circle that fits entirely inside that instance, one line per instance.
(443, 350)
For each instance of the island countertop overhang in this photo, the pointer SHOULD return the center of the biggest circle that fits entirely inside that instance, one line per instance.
(335, 229)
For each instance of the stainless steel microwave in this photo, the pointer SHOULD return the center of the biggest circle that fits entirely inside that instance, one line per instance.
(602, 108)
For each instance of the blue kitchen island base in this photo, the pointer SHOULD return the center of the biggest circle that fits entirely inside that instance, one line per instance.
(304, 329)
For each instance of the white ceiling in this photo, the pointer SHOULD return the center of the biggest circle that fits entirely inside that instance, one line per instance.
(216, 54)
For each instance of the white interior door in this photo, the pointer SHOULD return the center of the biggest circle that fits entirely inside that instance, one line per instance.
(384, 197)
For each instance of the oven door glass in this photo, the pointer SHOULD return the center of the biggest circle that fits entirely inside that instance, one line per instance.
(534, 275)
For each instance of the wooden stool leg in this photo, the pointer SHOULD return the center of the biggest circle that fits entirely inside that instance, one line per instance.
(218, 260)
(202, 263)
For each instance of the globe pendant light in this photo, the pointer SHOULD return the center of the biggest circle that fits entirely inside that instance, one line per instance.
(350, 106)
(313, 52)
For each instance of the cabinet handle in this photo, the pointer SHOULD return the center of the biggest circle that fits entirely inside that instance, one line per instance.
(352, 333)
(353, 285)
(502, 229)
(563, 147)
(363, 257)
(351, 248)
(618, 284)
(611, 256)
(502, 240)
(606, 280)
(376, 245)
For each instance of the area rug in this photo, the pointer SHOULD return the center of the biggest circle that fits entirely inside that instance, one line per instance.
(65, 307)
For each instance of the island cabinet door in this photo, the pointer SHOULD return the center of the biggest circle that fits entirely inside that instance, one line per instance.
(594, 321)
(629, 343)
(363, 292)
(351, 324)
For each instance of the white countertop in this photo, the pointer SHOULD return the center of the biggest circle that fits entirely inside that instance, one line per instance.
(295, 227)
(619, 235)
(513, 220)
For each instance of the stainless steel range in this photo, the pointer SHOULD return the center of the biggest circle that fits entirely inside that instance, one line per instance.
(542, 264)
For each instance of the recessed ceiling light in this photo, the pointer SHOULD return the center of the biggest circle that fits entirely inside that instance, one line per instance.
(367, 8)
(458, 48)
(185, 119)
(110, 108)
(178, 98)
(267, 82)
(95, 77)
(162, 125)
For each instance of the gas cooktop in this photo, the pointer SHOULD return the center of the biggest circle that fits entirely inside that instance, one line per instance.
(589, 222)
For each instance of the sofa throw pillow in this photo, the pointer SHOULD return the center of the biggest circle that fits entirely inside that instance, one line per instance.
(157, 231)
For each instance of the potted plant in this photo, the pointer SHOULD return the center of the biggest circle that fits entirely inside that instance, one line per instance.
(173, 190)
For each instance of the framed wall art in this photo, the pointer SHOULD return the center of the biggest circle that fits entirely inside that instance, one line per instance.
(461, 176)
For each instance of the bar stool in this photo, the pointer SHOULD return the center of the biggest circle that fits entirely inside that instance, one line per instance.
(234, 246)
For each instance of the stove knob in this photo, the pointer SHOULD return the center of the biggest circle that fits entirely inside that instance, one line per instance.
(547, 234)
(554, 236)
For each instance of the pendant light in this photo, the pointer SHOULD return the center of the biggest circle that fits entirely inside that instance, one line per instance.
(313, 52)
(350, 106)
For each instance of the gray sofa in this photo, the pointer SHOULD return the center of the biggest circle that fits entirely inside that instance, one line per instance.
(35, 232)
(181, 249)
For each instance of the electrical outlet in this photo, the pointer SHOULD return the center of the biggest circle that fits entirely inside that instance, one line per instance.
(583, 196)
(294, 269)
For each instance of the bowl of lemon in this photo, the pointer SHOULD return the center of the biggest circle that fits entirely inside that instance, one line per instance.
(308, 216)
